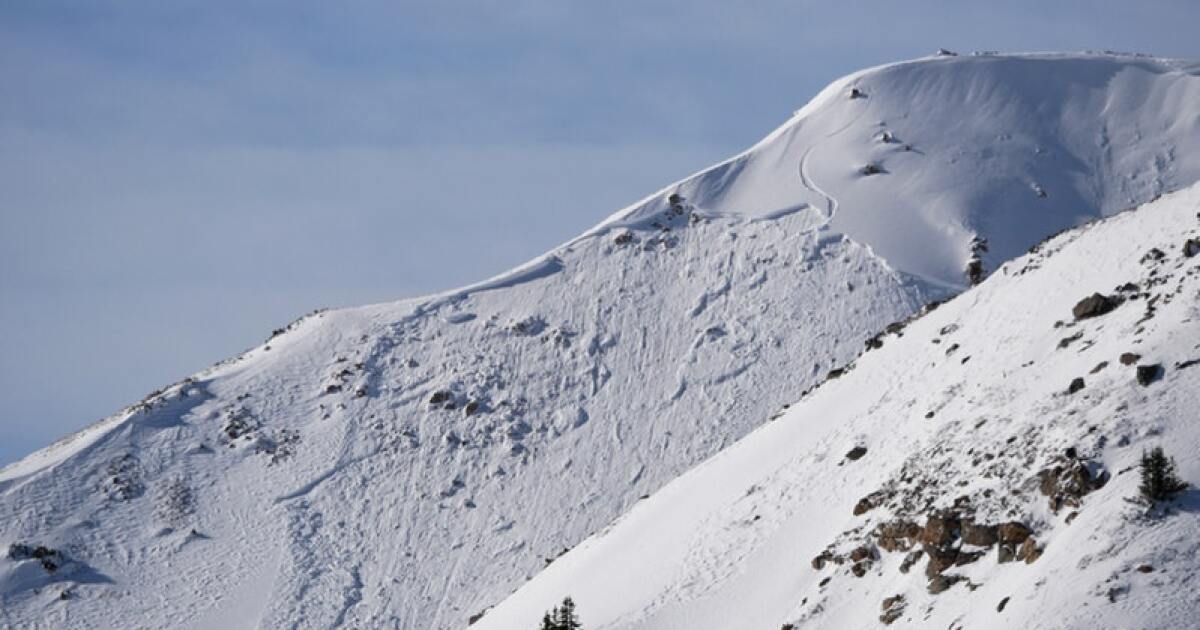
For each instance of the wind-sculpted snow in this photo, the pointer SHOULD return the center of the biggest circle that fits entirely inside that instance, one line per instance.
(966, 411)
(410, 464)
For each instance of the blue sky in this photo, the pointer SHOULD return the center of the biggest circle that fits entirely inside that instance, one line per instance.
(179, 178)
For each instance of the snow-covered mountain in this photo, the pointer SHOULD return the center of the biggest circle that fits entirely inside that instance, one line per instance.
(977, 470)
(410, 464)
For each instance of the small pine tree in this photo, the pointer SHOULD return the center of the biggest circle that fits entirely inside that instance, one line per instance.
(562, 617)
(567, 619)
(1159, 479)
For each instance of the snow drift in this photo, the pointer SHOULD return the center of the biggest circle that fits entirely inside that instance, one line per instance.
(409, 464)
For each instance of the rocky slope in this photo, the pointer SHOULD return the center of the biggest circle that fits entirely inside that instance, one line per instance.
(976, 470)
(409, 464)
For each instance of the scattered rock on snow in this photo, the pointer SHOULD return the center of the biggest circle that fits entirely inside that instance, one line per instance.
(897, 535)
(1013, 532)
(859, 569)
(1129, 358)
(1094, 305)
(893, 608)
(1066, 484)
(1029, 551)
(867, 503)
(940, 559)
(1147, 374)
(862, 553)
(856, 453)
(1191, 247)
(1154, 255)
(911, 559)
(1076, 385)
(939, 530)
(978, 535)
(50, 559)
(942, 583)
(1067, 341)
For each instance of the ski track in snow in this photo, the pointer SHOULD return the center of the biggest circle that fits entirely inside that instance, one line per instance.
(831, 204)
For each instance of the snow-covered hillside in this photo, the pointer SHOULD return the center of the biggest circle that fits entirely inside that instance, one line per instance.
(409, 464)
(957, 477)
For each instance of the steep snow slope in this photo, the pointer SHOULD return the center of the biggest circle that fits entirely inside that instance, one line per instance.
(408, 464)
(998, 438)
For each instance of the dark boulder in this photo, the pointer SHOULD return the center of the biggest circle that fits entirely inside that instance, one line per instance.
(1076, 385)
(1066, 484)
(978, 535)
(940, 559)
(1067, 341)
(1129, 358)
(1013, 532)
(1191, 247)
(941, 583)
(868, 503)
(939, 530)
(893, 608)
(858, 554)
(897, 535)
(859, 569)
(1095, 305)
(1147, 374)
(856, 453)
(1029, 551)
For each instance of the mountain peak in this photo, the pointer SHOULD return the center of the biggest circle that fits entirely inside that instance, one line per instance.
(410, 464)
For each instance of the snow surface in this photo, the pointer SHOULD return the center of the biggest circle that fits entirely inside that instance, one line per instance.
(728, 545)
(311, 482)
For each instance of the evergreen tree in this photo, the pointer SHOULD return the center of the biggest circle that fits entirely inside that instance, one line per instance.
(562, 617)
(1159, 479)
(567, 619)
